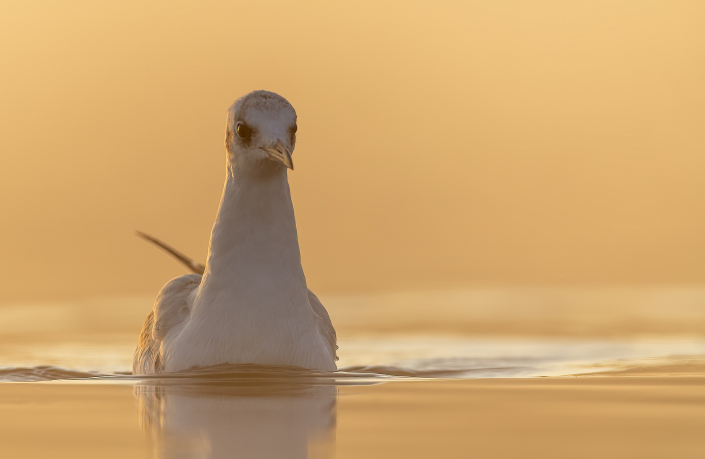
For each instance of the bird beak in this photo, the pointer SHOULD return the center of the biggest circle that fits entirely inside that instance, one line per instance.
(280, 153)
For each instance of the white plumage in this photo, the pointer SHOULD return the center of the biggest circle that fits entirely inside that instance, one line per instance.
(251, 305)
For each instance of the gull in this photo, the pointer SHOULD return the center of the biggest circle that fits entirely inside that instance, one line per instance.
(250, 303)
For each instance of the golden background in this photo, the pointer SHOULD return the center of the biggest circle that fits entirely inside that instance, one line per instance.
(441, 144)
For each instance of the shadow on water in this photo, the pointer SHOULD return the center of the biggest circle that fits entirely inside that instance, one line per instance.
(240, 411)
(243, 410)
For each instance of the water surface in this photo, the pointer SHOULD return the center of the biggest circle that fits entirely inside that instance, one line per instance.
(550, 391)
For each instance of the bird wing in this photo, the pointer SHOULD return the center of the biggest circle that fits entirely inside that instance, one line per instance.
(172, 307)
(186, 261)
(326, 326)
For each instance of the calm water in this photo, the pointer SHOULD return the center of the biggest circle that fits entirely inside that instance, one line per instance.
(469, 385)
(408, 356)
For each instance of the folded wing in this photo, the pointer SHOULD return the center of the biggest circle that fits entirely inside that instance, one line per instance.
(171, 308)
(326, 326)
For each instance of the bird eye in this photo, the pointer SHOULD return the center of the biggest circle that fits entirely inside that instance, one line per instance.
(243, 131)
(294, 128)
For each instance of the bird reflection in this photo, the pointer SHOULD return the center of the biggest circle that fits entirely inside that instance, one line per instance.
(251, 414)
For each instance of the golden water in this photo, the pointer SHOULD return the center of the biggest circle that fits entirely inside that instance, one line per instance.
(483, 372)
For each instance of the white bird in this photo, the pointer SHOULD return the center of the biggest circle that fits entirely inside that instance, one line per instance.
(251, 305)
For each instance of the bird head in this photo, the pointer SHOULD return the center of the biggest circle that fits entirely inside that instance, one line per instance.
(261, 131)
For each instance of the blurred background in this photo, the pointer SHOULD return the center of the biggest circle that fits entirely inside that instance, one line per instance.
(469, 146)
(483, 189)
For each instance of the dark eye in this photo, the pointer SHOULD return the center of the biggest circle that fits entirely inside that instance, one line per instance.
(243, 131)
(294, 128)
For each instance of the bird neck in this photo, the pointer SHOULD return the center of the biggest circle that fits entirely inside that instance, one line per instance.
(254, 248)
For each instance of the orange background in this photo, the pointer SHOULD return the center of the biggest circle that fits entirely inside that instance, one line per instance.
(440, 143)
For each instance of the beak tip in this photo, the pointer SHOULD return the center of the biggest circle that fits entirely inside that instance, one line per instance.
(280, 153)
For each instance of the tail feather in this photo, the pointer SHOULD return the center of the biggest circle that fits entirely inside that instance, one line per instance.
(183, 259)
